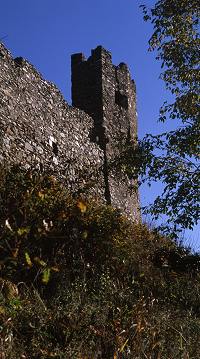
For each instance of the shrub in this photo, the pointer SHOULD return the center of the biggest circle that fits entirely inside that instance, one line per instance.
(78, 277)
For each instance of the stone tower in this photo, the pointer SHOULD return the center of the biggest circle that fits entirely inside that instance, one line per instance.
(107, 93)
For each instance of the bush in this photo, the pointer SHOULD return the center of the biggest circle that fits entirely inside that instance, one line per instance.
(78, 278)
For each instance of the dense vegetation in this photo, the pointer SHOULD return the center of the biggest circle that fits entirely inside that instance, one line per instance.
(77, 277)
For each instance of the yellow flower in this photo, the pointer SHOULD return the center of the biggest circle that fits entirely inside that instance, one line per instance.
(82, 206)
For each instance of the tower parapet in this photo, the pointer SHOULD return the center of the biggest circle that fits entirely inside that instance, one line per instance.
(108, 94)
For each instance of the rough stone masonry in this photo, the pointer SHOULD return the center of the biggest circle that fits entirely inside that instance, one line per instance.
(76, 143)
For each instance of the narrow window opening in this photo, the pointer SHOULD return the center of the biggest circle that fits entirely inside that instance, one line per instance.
(121, 100)
(55, 148)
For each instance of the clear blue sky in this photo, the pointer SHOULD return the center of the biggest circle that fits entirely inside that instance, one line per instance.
(47, 32)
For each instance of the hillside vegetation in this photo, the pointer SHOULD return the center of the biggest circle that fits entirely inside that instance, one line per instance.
(78, 279)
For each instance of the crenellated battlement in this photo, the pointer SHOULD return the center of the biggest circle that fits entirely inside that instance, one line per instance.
(104, 90)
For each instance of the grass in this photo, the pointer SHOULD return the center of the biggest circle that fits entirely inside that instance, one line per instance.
(78, 279)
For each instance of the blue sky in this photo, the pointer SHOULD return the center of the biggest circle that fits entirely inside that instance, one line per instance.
(47, 32)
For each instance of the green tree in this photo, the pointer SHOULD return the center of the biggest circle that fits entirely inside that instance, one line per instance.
(173, 157)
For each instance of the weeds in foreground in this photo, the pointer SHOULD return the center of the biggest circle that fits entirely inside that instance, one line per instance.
(79, 280)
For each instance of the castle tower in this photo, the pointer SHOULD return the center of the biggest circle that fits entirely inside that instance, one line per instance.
(107, 93)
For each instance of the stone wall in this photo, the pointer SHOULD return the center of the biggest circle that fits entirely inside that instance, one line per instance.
(39, 129)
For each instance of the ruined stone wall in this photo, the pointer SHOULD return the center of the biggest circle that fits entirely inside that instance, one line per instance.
(39, 129)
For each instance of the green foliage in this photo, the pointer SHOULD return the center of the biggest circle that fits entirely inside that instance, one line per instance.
(176, 161)
(78, 277)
